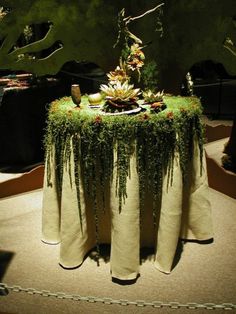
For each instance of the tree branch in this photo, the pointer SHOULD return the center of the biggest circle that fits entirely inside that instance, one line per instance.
(129, 19)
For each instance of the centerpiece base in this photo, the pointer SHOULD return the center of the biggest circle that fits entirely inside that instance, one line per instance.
(121, 107)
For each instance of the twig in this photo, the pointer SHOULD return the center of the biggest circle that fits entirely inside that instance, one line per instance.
(128, 19)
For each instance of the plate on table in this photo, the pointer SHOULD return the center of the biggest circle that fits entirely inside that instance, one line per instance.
(94, 106)
(132, 111)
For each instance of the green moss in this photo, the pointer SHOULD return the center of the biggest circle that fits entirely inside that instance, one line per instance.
(154, 138)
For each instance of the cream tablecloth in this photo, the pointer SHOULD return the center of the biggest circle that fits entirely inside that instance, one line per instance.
(185, 212)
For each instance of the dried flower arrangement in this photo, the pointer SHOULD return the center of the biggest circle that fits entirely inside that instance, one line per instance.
(120, 94)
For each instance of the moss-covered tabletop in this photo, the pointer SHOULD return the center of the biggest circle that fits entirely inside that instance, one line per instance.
(115, 161)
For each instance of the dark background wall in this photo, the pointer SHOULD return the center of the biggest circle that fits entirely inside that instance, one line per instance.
(73, 42)
(86, 30)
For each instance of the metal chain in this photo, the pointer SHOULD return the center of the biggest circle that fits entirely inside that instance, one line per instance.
(4, 290)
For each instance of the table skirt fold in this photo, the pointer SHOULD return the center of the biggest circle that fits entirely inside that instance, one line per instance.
(185, 212)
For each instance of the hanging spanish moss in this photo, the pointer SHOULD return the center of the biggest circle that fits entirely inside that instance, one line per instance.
(102, 147)
(156, 140)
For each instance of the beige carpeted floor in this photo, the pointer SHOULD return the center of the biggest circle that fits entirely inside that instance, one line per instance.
(204, 273)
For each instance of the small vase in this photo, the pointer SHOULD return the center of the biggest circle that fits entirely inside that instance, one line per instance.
(76, 94)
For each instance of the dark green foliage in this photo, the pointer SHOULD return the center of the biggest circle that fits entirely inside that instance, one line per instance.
(91, 137)
(149, 76)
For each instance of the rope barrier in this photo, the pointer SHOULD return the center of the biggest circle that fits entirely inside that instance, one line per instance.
(5, 288)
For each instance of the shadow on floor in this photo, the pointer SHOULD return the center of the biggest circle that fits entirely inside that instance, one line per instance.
(5, 260)
(178, 253)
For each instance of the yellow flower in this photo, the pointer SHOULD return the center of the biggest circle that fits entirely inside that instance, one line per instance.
(151, 96)
(120, 91)
(119, 75)
(136, 58)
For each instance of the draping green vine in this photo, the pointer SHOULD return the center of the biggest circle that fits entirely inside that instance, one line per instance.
(102, 146)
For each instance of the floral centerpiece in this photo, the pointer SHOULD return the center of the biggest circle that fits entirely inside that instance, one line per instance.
(120, 94)
(151, 97)
(120, 97)
(155, 100)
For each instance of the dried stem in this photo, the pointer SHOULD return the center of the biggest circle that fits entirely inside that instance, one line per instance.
(124, 21)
